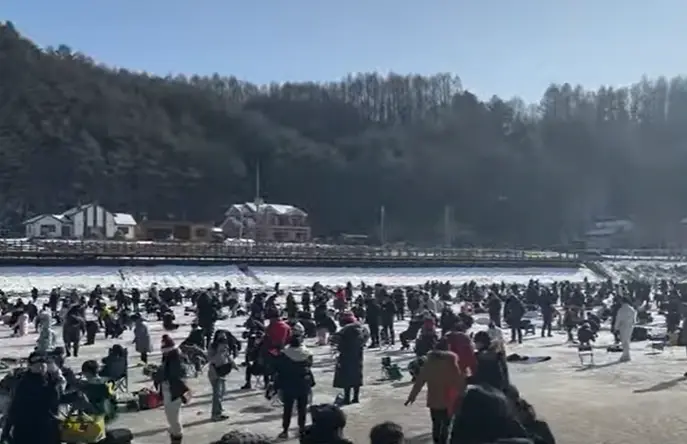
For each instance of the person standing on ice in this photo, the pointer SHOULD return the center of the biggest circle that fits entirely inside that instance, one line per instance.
(624, 324)
(46, 337)
(142, 338)
(173, 388)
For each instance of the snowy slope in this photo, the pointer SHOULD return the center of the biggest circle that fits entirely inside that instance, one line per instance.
(22, 279)
(646, 269)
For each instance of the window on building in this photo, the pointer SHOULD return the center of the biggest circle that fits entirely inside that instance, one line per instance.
(201, 233)
(66, 231)
(47, 229)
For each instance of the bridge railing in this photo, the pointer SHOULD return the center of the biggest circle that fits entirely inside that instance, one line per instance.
(56, 248)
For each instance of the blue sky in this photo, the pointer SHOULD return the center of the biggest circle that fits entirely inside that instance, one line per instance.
(503, 47)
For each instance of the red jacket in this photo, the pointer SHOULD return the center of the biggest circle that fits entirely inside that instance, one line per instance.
(460, 344)
(277, 334)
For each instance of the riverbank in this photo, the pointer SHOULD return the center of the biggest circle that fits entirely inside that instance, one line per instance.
(118, 254)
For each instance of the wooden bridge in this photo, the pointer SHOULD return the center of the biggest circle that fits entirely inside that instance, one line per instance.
(66, 252)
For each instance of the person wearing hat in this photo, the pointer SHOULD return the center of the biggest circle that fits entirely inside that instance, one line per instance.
(173, 388)
(32, 414)
(348, 375)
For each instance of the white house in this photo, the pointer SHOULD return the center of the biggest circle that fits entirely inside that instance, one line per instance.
(48, 226)
(126, 226)
(90, 221)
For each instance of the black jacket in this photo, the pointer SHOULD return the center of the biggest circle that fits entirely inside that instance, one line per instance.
(172, 372)
(33, 410)
(490, 370)
(293, 372)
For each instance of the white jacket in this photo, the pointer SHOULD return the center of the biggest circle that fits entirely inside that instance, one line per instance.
(626, 317)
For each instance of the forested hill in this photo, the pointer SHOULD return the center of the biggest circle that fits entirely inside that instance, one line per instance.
(75, 131)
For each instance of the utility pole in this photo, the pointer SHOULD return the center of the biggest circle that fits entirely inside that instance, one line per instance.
(258, 202)
(243, 221)
(448, 235)
(382, 223)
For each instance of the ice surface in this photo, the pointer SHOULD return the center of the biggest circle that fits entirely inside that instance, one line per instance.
(22, 279)
(637, 402)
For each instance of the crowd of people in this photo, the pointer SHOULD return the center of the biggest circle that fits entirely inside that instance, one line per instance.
(470, 395)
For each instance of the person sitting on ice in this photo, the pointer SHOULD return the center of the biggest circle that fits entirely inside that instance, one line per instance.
(168, 321)
(114, 364)
(585, 335)
(196, 337)
(21, 326)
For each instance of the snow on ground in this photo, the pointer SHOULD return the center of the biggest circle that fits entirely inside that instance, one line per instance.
(646, 269)
(22, 279)
(613, 403)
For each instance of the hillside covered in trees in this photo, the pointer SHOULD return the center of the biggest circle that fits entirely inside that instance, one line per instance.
(72, 130)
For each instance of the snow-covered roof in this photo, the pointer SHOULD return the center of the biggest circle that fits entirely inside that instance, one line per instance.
(72, 211)
(284, 210)
(59, 217)
(124, 219)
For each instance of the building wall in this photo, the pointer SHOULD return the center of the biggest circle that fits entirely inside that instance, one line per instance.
(181, 231)
(285, 234)
(94, 218)
(45, 227)
(270, 227)
(128, 231)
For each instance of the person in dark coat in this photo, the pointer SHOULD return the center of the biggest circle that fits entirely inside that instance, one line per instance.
(294, 380)
(485, 415)
(74, 324)
(328, 423)
(491, 367)
(547, 313)
(207, 315)
(494, 308)
(351, 341)
(372, 318)
(514, 310)
(32, 415)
